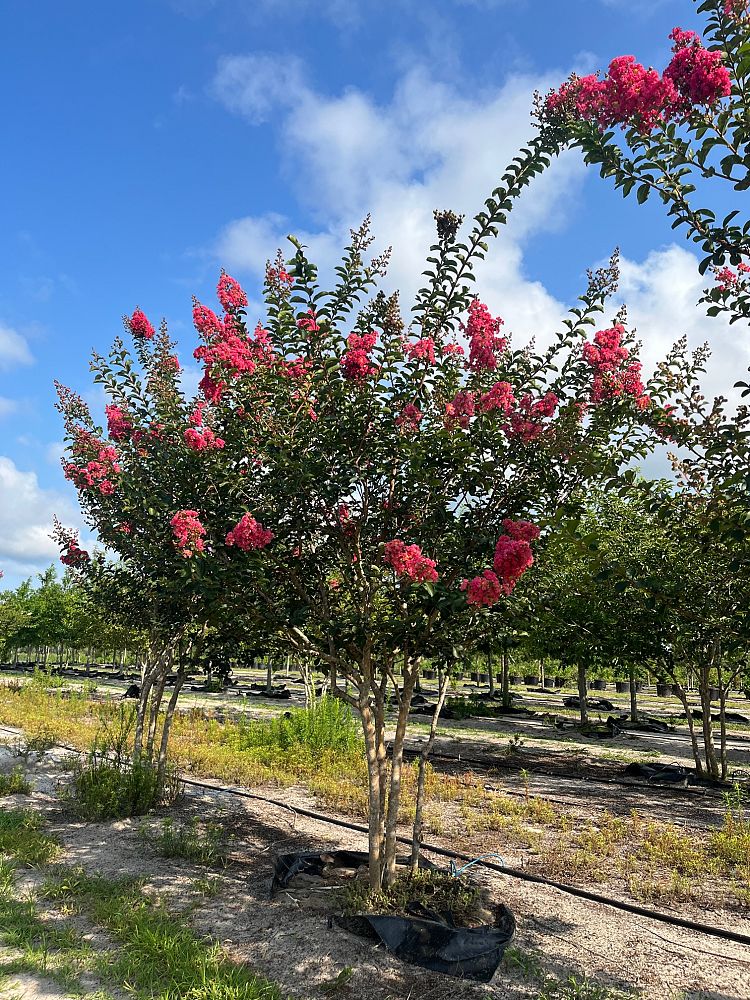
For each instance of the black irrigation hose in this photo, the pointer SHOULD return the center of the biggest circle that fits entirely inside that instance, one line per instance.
(571, 890)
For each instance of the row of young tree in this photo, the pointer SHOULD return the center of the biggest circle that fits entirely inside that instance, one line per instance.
(53, 620)
(370, 488)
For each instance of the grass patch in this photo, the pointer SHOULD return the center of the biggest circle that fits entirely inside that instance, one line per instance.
(14, 783)
(158, 955)
(108, 784)
(435, 890)
(22, 839)
(194, 841)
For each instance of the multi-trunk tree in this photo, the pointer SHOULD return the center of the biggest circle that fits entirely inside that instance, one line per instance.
(358, 488)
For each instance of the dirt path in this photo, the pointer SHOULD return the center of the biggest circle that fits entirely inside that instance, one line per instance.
(296, 947)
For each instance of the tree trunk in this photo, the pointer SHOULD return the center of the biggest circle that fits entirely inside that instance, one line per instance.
(722, 721)
(269, 677)
(704, 683)
(416, 840)
(397, 758)
(582, 699)
(541, 672)
(506, 677)
(162, 762)
(373, 775)
(489, 671)
(682, 695)
(633, 695)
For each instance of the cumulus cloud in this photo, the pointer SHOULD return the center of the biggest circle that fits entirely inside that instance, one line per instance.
(14, 349)
(26, 513)
(661, 292)
(428, 147)
(7, 406)
(257, 85)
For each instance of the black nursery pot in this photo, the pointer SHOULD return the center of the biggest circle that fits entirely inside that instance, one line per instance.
(599, 684)
(429, 675)
(558, 682)
(530, 679)
(663, 690)
(713, 693)
(622, 687)
(516, 679)
(483, 678)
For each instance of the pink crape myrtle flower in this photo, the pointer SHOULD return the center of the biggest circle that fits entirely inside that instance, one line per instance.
(355, 362)
(483, 334)
(460, 410)
(407, 560)
(201, 440)
(484, 590)
(249, 534)
(73, 555)
(230, 293)
(699, 76)
(119, 425)
(140, 327)
(422, 349)
(499, 398)
(409, 418)
(188, 532)
(521, 531)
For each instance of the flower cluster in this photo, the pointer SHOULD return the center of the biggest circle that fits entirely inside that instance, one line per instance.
(631, 95)
(407, 560)
(73, 555)
(727, 279)
(527, 422)
(308, 322)
(96, 474)
(201, 440)
(513, 555)
(484, 590)
(612, 376)
(500, 397)
(424, 348)
(188, 532)
(249, 534)
(230, 293)
(460, 410)
(119, 425)
(736, 8)
(483, 334)
(355, 362)
(139, 326)
(699, 76)
(410, 418)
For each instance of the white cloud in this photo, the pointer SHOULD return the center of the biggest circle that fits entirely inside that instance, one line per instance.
(7, 406)
(26, 513)
(256, 85)
(428, 147)
(661, 293)
(14, 350)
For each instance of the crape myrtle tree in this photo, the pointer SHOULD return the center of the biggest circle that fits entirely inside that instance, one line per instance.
(681, 135)
(584, 601)
(360, 488)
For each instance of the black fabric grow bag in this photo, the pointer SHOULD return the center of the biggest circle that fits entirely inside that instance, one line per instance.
(431, 941)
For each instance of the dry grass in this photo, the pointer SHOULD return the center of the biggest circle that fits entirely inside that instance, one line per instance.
(650, 860)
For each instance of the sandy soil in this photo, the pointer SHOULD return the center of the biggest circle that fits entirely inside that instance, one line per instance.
(296, 947)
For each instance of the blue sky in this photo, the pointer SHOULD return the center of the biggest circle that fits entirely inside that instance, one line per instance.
(147, 144)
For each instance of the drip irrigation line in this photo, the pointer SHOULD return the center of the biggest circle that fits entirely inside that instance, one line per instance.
(516, 873)
(571, 890)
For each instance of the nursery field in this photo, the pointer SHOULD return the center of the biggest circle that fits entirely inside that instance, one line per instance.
(542, 802)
